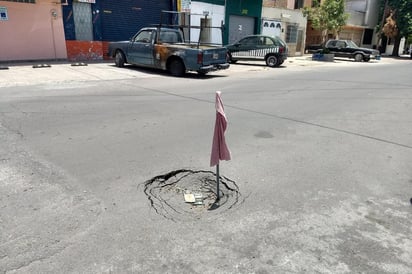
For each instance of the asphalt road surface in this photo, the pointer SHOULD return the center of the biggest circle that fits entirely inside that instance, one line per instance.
(95, 162)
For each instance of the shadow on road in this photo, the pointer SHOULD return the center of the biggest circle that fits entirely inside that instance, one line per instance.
(153, 71)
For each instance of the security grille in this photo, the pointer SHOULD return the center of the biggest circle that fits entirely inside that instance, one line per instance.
(82, 13)
(240, 26)
(292, 34)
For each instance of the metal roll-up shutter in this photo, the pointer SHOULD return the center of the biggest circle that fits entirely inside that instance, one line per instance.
(122, 19)
(240, 26)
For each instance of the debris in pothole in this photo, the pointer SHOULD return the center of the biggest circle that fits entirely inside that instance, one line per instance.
(198, 189)
(189, 197)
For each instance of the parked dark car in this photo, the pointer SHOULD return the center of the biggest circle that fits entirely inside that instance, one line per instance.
(272, 50)
(346, 49)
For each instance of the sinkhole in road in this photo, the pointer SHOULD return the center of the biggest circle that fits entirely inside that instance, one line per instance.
(166, 194)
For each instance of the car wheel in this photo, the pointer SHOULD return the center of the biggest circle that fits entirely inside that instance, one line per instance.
(272, 61)
(177, 68)
(119, 59)
(358, 57)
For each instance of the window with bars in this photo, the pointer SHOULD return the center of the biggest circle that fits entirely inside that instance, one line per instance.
(292, 34)
(22, 1)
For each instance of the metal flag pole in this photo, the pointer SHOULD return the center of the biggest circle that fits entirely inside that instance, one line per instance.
(220, 150)
(217, 183)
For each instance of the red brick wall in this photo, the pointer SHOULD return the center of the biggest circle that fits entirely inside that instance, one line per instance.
(275, 3)
(84, 50)
(105, 50)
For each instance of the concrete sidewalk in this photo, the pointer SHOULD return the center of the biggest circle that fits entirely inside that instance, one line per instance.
(22, 74)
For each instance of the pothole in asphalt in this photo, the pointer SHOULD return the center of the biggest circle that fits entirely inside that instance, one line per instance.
(191, 194)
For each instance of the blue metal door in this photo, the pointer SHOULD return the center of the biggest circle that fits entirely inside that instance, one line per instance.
(122, 19)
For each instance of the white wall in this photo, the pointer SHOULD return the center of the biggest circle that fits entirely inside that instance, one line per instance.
(372, 14)
(389, 48)
(362, 12)
(285, 16)
(216, 14)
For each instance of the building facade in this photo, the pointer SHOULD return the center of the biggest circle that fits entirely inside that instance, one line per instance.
(272, 17)
(360, 26)
(238, 18)
(31, 30)
(77, 30)
(80, 30)
(89, 25)
(285, 19)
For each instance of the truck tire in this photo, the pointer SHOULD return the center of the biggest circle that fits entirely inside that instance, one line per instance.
(358, 57)
(177, 68)
(272, 61)
(119, 59)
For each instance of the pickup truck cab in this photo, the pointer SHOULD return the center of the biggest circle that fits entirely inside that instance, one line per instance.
(165, 48)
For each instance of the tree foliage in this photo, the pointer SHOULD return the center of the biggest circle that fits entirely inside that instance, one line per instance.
(390, 28)
(398, 20)
(328, 17)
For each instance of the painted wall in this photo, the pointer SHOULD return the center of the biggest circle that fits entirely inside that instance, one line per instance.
(217, 16)
(362, 12)
(288, 17)
(249, 8)
(32, 32)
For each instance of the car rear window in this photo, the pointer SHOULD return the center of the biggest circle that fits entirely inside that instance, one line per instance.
(281, 42)
(268, 42)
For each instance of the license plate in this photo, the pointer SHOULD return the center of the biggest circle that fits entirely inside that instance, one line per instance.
(215, 55)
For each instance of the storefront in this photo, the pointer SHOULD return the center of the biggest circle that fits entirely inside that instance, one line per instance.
(90, 24)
